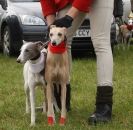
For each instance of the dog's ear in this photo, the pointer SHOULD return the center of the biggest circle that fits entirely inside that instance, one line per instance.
(39, 45)
(24, 42)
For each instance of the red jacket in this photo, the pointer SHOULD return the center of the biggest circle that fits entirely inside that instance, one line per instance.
(53, 6)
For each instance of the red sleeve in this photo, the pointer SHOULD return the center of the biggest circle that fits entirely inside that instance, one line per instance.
(82, 5)
(48, 7)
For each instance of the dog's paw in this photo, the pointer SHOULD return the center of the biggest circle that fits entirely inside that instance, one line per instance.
(32, 124)
(50, 121)
(27, 110)
(62, 121)
(26, 113)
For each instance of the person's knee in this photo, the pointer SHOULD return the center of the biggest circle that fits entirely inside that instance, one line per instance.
(102, 45)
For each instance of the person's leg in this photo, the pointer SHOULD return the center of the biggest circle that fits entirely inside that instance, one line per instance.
(70, 32)
(100, 20)
(131, 5)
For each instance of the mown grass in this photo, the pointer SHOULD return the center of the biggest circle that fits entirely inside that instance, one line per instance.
(12, 97)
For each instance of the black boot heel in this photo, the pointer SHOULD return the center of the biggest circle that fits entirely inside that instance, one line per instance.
(104, 102)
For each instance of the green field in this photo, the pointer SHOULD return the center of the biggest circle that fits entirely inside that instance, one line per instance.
(12, 97)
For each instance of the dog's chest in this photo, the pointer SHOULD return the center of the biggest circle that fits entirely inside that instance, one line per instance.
(58, 72)
(31, 77)
(38, 79)
(57, 68)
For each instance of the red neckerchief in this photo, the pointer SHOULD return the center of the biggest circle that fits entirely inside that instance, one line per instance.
(61, 48)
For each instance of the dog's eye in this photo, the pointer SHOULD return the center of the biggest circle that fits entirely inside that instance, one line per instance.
(59, 34)
(26, 50)
(51, 34)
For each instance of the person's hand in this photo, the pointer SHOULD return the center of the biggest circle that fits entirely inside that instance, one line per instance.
(65, 21)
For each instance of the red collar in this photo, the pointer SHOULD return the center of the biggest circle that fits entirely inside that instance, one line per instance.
(61, 48)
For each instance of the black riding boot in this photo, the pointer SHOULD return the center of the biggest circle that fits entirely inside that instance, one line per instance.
(104, 102)
(57, 95)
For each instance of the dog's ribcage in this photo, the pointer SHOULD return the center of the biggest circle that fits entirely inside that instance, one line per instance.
(57, 67)
(37, 78)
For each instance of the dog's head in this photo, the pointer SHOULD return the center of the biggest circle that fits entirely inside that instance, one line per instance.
(130, 22)
(57, 35)
(29, 51)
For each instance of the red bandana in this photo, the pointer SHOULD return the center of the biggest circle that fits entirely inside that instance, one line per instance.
(61, 48)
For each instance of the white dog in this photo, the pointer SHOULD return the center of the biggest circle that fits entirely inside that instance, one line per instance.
(33, 73)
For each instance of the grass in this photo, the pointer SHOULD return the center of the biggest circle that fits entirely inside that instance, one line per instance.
(12, 97)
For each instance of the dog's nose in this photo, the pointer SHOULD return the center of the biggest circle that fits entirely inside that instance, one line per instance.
(54, 43)
(18, 60)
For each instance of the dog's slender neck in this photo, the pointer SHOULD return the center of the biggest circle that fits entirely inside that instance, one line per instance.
(37, 65)
(59, 49)
(36, 57)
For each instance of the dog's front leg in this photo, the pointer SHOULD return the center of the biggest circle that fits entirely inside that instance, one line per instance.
(45, 100)
(26, 88)
(50, 112)
(63, 104)
(32, 102)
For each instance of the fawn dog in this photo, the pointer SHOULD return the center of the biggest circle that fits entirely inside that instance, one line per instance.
(33, 54)
(57, 71)
(126, 34)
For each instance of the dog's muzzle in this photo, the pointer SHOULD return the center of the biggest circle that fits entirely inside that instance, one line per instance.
(18, 60)
(54, 43)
